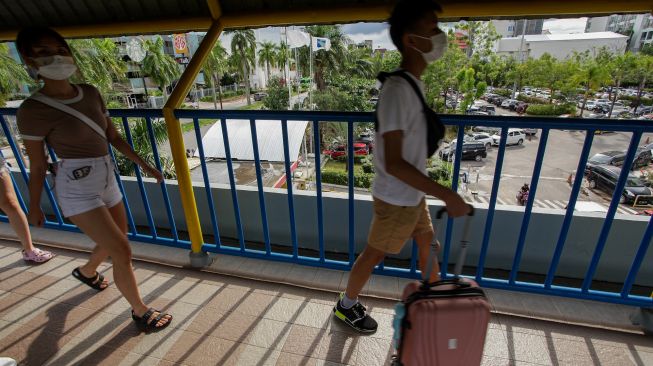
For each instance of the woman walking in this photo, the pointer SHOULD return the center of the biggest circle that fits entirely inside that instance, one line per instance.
(73, 120)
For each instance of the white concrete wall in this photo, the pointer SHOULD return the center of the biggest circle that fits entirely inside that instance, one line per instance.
(559, 49)
(623, 241)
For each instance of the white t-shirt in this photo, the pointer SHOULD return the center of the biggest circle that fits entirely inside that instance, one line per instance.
(399, 108)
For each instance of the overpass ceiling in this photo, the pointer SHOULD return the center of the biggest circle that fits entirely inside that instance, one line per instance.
(85, 18)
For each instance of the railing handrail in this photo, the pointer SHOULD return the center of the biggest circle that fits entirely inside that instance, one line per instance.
(554, 123)
(502, 123)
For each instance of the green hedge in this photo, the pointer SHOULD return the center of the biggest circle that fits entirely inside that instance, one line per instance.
(532, 100)
(225, 95)
(341, 178)
(550, 109)
(503, 92)
(644, 101)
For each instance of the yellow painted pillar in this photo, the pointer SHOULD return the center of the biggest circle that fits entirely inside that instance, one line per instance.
(176, 139)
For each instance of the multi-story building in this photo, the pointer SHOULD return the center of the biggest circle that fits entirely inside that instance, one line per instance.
(638, 27)
(514, 28)
(561, 46)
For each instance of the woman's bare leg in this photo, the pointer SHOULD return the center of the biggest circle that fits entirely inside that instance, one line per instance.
(99, 225)
(17, 219)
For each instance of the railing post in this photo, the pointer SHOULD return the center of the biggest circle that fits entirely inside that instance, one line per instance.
(198, 258)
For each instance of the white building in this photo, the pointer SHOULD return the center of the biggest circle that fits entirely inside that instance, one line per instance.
(513, 28)
(639, 28)
(561, 46)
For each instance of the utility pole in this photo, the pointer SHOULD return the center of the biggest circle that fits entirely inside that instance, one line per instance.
(521, 56)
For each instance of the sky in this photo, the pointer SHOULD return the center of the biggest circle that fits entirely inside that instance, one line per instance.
(378, 32)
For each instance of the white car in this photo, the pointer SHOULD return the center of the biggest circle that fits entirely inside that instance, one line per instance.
(590, 105)
(485, 138)
(516, 136)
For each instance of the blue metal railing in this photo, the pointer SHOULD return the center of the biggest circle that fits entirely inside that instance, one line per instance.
(244, 248)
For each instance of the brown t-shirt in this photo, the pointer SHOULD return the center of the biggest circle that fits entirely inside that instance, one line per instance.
(68, 136)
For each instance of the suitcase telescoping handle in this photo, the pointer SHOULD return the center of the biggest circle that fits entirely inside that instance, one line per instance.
(463, 243)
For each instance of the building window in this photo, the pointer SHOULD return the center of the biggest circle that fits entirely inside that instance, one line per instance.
(650, 35)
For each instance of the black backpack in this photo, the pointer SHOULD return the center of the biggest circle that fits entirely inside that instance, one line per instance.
(435, 128)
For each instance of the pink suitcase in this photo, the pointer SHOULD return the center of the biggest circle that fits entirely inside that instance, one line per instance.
(442, 323)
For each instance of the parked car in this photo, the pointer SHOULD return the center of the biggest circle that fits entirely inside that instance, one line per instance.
(497, 101)
(616, 158)
(367, 139)
(605, 177)
(509, 103)
(646, 117)
(340, 151)
(471, 151)
(484, 138)
(519, 107)
(489, 130)
(489, 109)
(644, 110)
(589, 105)
(515, 137)
(259, 96)
(622, 115)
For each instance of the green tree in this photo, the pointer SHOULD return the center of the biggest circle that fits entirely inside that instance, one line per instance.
(619, 67)
(334, 60)
(391, 61)
(480, 37)
(468, 86)
(214, 69)
(159, 66)
(647, 50)
(642, 73)
(284, 59)
(12, 74)
(142, 146)
(361, 64)
(99, 63)
(267, 57)
(590, 76)
(440, 76)
(243, 47)
(277, 98)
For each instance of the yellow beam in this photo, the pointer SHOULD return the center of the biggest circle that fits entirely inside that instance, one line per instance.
(452, 10)
(176, 138)
(214, 8)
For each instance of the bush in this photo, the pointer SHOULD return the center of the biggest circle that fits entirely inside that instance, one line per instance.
(503, 92)
(532, 100)
(550, 109)
(633, 100)
(340, 178)
(368, 167)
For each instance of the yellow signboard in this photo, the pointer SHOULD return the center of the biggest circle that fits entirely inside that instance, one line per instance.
(179, 41)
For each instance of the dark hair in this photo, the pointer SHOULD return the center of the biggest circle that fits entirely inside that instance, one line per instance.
(27, 37)
(404, 16)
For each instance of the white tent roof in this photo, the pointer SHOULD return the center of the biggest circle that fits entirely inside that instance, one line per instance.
(270, 140)
(569, 37)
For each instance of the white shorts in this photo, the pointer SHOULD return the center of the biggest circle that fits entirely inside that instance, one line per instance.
(82, 185)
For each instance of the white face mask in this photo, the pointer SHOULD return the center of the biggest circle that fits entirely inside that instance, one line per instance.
(56, 67)
(439, 45)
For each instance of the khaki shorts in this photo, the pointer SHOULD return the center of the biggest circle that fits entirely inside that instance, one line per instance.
(393, 225)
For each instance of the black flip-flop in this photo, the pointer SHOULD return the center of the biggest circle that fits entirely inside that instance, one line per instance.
(94, 282)
(149, 326)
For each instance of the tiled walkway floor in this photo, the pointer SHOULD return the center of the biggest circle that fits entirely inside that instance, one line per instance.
(47, 317)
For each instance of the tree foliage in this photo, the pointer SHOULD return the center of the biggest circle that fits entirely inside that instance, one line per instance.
(159, 66)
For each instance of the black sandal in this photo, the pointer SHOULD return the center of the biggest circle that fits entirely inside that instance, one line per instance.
(94, 282)
(148, 326)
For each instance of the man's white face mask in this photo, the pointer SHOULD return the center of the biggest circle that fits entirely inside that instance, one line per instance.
(56, 67)
(439, 44)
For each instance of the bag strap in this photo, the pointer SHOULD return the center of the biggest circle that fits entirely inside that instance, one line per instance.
(404, 75)
(73, 112)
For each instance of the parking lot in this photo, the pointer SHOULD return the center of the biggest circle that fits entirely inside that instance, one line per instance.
(560, 160)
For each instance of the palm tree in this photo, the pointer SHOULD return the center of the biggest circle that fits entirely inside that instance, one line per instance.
(215, 67)
(243, 47)
(99, 63)
(267, 56)
(161, 67)
(283, 58)
(12, 74)
(591, 76)
(333, 60)
(142, 146)
(362, 64)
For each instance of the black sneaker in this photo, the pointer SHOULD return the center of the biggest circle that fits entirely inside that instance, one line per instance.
(356, 317)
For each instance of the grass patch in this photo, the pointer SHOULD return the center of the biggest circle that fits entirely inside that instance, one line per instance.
(253, 106)
(334, 165)
(187, 127)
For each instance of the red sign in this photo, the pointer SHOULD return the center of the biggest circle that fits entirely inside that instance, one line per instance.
(179, 40)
